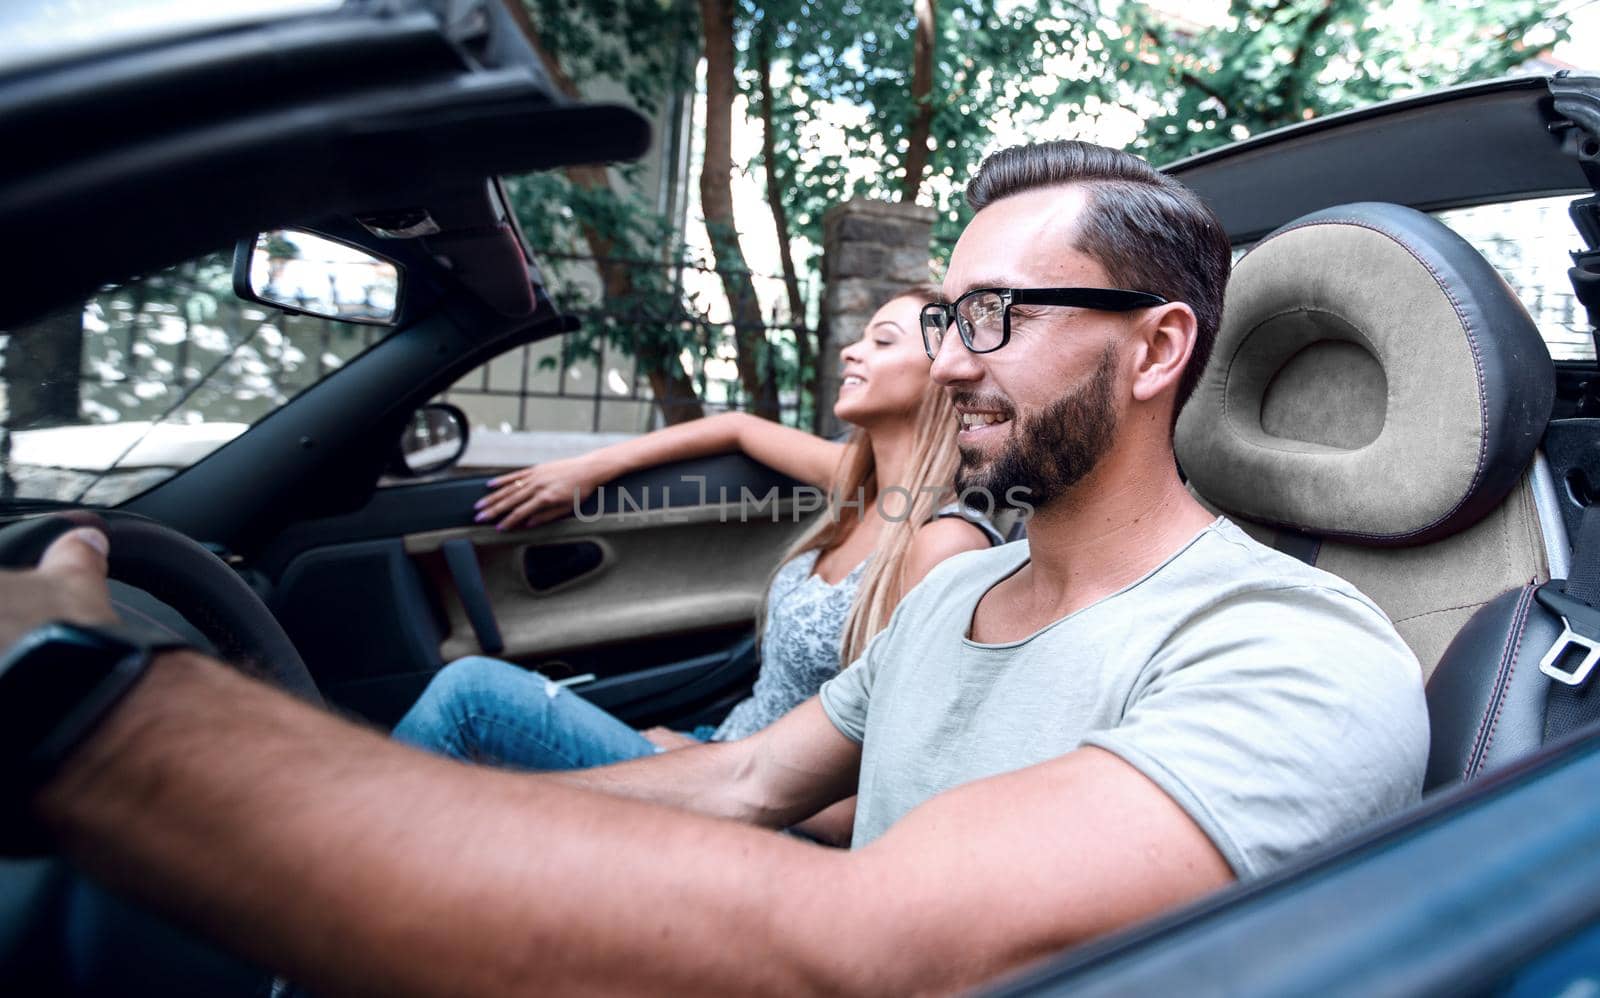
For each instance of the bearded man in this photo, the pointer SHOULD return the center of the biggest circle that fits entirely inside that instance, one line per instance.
(1052, 738)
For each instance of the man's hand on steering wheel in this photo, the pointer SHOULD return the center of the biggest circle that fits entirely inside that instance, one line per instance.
(68, 584)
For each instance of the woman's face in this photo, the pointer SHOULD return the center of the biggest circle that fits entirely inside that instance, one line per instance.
(884, 374)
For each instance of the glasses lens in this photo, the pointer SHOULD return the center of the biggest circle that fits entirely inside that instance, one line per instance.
(983, 318)
(934, 324)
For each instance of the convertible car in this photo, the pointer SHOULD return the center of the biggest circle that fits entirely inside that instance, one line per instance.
(244, 257)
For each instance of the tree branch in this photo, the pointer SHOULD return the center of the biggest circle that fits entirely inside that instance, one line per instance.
(716, 202)
(1185, 77)
(921, 99)
(671, 385)
(780, 217)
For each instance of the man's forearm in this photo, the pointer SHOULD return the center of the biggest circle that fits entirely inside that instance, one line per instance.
(715, 779)
(358, 865)
(787, 772)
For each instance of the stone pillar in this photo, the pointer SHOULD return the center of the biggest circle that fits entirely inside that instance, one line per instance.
(871, 250)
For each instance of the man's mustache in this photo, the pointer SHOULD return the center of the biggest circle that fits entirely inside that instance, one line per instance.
(988, 402)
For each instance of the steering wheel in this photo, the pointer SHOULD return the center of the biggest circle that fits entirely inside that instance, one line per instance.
(192, 581)
(60, 933)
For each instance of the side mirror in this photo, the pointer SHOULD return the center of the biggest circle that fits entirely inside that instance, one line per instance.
(434, 439)
(303, 273)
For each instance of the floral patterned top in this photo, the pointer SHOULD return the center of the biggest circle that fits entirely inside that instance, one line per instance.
(800, 642)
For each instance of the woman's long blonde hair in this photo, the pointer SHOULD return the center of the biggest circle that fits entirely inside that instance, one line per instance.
(932, 463)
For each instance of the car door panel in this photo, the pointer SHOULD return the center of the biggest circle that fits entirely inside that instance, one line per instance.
(643, 601)
(660, 572)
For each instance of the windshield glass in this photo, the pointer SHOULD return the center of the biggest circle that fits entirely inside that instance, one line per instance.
(103, 401)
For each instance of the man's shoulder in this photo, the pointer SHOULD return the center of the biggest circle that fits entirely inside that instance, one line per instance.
(1255, 606)
(1242, 565)
(1236, 599)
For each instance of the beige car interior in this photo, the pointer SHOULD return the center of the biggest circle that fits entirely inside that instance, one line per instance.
(1375, 405)
(661, 572)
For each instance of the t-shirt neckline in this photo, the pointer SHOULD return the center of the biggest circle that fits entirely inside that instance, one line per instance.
(972, 611)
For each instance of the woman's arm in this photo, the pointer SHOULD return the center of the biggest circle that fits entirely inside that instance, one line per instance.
(935, 541)
(550, 490)
(834, 825)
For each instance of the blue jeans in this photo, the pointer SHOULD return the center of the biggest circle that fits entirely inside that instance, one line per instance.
(488, 711)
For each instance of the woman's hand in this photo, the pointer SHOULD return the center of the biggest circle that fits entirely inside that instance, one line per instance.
(539, 494)
(668, 739)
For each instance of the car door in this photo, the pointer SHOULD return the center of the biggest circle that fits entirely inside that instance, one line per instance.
(643, 600)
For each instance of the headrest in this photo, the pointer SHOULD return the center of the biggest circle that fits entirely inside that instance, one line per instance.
(1374, 379)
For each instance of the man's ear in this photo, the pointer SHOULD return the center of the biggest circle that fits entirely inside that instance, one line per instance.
(1163, 344)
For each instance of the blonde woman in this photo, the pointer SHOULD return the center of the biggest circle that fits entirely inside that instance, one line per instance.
(832, 592)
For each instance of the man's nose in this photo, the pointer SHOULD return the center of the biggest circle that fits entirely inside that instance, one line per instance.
(954, 364)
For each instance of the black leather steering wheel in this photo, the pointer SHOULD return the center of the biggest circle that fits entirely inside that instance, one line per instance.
(61, 933)
(195, 583)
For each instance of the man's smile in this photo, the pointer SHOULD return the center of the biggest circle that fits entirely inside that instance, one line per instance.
(975, 424)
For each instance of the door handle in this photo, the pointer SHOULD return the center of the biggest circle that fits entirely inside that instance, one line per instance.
(551, 565)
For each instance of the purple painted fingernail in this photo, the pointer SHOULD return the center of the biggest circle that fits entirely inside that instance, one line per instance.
(480, 517)
(481, 503)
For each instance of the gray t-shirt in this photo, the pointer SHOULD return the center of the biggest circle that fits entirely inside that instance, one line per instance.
(1273, 701)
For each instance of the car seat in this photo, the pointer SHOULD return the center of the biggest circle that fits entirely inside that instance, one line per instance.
(1374, 405)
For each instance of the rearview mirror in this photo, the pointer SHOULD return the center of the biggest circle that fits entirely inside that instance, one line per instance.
(434, 439)
(308, 274)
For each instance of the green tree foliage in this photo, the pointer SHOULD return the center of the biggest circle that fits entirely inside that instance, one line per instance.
(595, 219)
(911, 88)
(990, 61)
(832, 84)
(638, 306)
(1278, 63)
(648, 47)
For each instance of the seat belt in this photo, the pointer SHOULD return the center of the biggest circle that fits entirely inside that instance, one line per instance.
(1297, 544)
(1572, 702)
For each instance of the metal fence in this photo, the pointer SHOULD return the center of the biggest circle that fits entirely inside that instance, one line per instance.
(543, 386)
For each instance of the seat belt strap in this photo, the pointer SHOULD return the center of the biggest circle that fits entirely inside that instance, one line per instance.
(1299, 545)
(1572, 702)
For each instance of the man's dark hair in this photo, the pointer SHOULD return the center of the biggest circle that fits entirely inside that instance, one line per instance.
(1147, 230)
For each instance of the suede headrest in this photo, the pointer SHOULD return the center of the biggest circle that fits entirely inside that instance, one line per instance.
(1374, 379)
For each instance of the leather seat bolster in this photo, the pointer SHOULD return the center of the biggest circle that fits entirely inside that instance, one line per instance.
(1515, 382)
(1359, 345)
(1486, 698)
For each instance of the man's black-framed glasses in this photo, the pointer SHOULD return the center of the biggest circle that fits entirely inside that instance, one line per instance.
(982, 316)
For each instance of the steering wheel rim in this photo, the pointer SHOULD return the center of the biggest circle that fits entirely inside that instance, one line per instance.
(112, 938)
(184, 575)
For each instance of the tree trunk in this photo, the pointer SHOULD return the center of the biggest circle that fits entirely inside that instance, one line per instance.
(671, 385)
(921, 96)
(43, 366)
(673, 388)
(780, 220)
(675, 394)
(716, 202)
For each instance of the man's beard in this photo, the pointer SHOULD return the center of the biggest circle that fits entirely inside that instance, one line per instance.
(1047, 452)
